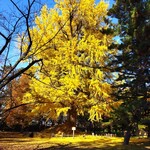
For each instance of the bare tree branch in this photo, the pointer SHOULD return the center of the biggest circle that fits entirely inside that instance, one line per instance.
(6, 77)
(13, 76)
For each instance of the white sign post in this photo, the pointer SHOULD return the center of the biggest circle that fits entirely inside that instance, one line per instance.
(73, 129)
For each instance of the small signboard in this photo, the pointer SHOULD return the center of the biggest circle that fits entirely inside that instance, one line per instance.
(73, 128)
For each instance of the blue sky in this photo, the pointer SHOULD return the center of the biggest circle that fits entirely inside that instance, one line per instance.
(5, 6)
(8, 6)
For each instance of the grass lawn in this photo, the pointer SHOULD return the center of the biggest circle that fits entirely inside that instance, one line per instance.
(70, 143)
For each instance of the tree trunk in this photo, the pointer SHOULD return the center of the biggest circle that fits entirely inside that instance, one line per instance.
(127, 136)
(136, 130)
(72, 116)
(148, 131)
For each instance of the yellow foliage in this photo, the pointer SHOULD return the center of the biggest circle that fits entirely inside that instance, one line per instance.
(73, 49)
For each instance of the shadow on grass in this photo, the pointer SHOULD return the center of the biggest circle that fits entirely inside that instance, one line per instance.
(14, 140)
(102, 146)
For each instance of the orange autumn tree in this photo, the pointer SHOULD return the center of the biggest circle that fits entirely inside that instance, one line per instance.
(73, 77)
(16, 111)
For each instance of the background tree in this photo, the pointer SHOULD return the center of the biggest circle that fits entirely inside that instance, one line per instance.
(14, 31)
(18, 117)
(132, 62)
(73, 78)
(5, 96)
(12, 26)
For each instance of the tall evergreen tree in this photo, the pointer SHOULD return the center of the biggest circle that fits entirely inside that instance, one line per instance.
(132, 63)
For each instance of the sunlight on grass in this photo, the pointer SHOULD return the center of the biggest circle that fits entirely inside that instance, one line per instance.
(101, 140)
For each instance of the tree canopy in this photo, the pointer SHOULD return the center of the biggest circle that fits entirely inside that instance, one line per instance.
(73, 78)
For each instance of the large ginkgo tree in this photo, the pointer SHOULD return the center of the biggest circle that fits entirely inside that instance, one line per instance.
(73, 78)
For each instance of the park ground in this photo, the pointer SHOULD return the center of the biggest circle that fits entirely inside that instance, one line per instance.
(16, 142)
